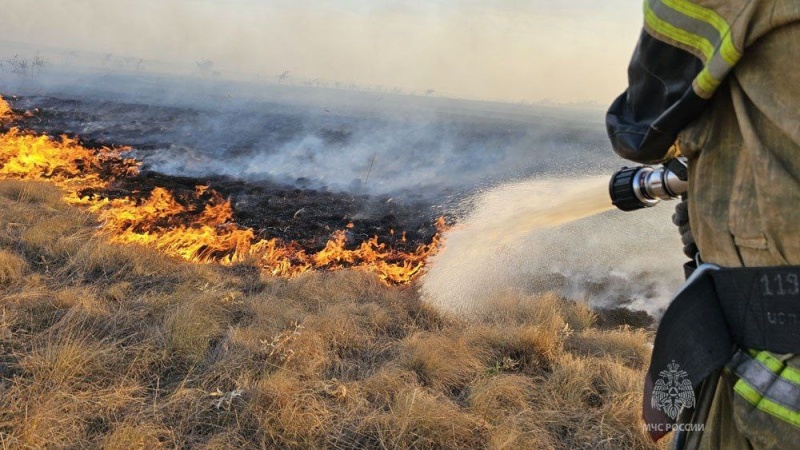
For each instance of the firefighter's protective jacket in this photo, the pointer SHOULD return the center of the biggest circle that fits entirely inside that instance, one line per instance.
(721, 79)
(719, 82)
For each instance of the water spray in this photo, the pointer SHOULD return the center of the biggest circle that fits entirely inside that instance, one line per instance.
(633, 188)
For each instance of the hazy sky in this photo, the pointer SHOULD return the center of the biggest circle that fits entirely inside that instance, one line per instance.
(564, 50)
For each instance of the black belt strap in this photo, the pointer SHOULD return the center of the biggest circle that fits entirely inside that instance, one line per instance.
(716, 311)
(762, 306)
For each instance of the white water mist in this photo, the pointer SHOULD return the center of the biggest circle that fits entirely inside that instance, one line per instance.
(556, 235)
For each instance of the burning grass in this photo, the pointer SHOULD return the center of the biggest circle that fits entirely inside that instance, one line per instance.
(5, 110)
(197, 226)
(104, 345)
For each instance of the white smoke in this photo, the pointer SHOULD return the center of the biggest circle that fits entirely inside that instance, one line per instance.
(429, 156)
(510, 50)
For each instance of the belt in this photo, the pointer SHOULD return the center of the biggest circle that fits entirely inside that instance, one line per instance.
(716, 311)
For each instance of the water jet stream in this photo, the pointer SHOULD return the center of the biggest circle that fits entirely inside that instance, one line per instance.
(556, 234)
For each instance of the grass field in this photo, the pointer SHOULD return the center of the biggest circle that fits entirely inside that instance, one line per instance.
(107, 346)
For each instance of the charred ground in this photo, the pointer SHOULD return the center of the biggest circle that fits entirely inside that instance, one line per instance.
(289, 212)
(306, 216)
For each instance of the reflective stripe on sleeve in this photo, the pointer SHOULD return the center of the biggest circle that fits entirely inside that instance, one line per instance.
(698, 30)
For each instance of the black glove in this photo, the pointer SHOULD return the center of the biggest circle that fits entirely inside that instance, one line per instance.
(681, 219)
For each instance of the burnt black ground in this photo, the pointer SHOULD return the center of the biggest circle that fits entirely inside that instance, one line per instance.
(308, 216)
(274, 210)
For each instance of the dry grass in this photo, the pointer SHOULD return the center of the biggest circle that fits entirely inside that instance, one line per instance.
(12, 267)
(109, 347)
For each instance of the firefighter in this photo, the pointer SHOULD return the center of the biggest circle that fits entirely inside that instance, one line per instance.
(718, 82)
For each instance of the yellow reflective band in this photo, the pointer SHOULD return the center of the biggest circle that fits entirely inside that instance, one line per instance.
(707, 83)
(687, 25)
(728, 51)
(698, 43)
(754, 398)
(779, 368)
(698, 12)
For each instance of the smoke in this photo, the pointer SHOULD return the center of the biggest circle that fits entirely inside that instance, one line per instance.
(488, 50)
(428, 157)
(212, 73)
(342, 141)
(552, 235)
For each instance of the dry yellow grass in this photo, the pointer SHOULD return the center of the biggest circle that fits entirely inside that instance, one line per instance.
(12, 267)
(114, 347)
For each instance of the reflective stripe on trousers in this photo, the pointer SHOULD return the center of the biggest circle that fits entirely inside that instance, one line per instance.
(768, 383)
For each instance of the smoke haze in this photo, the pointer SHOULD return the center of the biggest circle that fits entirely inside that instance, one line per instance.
(569, 51)
(344, 141)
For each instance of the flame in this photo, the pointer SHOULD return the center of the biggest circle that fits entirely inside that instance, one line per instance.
(5, 110)
(65, 162)
(181, 229)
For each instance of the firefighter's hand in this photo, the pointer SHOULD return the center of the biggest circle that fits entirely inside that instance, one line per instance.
(681, 219)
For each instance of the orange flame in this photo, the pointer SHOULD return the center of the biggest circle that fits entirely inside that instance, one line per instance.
(5, 110)
(65, 162)
(161, 222)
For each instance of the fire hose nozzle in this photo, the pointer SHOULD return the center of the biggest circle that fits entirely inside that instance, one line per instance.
(633, 188)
